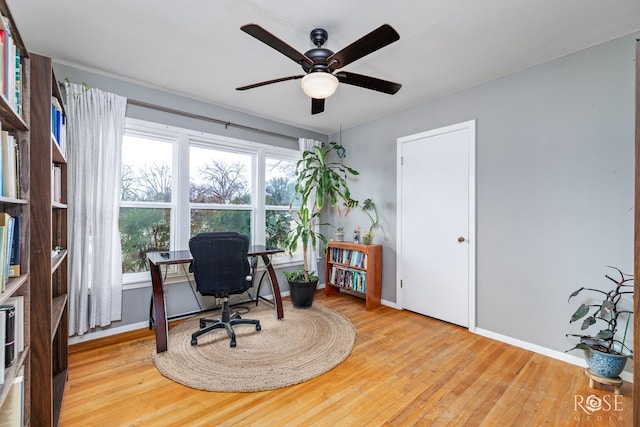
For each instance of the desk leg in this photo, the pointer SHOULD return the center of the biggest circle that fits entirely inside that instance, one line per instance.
(276, 287)
(162, 330)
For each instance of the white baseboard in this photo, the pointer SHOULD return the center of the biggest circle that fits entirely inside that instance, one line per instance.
(554, 354)
(102, 333)
(390, 304)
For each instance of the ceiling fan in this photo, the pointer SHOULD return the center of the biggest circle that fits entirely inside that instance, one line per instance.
(320, 64)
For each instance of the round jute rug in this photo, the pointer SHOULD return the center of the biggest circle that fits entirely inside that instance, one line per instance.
(306, 343)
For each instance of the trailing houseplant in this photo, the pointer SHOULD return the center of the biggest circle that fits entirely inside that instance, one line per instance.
(607, 347)
(369, 208)
(321, 181)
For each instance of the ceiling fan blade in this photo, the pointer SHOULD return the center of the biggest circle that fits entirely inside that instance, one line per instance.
(317, 105)
(269, 39)
(268, 82)
(376, 39)
(368, 82)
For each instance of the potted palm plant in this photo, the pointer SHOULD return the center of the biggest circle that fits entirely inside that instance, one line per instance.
(321, 180)
(606, 351)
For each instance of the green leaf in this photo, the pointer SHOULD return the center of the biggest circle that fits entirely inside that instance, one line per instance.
(582, 311)
(587, 322)
(604, 334)
(607, 309)
(575, 293)
(580, 346)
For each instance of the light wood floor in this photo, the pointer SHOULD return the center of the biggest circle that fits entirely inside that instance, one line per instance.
(405, 369)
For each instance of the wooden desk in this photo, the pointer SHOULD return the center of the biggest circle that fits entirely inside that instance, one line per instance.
(156, 259)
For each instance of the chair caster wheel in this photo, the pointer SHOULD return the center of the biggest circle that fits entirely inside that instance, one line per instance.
(202, 324)
(258, 328)
(232, 344)
(194, 341)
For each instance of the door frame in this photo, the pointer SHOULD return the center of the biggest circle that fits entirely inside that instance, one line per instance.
(470, 125)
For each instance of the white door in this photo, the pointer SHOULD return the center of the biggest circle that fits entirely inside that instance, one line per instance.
(436, 199)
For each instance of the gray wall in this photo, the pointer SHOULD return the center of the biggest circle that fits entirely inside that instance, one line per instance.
(554, 185)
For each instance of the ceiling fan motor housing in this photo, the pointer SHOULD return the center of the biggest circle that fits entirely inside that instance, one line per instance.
(318, 55)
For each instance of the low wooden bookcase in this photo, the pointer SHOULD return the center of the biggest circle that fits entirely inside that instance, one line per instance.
(355, 269)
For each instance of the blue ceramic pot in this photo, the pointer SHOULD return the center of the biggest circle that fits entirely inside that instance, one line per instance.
(604, 364)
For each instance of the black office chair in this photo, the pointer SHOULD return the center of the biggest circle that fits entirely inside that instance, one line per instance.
(221, 268)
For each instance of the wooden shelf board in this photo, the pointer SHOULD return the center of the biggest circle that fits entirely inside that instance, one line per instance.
(57, 260)
(12, 286)
(59, 381)
(12, 200)
(57, 308)
(11, 372)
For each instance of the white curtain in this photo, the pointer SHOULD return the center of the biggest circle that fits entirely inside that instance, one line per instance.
(94, 140)
(312, 253)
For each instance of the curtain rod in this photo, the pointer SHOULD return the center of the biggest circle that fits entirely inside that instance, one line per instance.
(226, 124)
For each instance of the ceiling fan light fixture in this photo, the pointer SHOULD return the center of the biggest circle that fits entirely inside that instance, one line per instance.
(319, 85)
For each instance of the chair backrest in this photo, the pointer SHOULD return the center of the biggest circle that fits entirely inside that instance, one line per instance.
(220, 265)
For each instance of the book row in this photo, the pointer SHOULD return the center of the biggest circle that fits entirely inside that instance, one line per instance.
(354, 280)
(348, 257)
(58, 125)
(11, 332)
(12, 340)
(9, 165)
(10, 246)
(56, 183)
(11, 68)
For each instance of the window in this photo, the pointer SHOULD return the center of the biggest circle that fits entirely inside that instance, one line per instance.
(177, 183)
(219, 189)
(279, 191)
(145, 210)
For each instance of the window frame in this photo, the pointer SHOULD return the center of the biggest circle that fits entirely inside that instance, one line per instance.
(180, 205)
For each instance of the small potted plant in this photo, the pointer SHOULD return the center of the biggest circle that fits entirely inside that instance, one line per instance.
(369, 208)
(339, 234)
(321, 179)
(606, 351)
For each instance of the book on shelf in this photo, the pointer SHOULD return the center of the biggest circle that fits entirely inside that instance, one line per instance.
(9, 164)
(9, 344)
(6, 239)
(3, 326)
(4, 39)
(18, 303)
(12, 410)
(11, 68)
(18, 83)
(56, 183)
(16, 248)
(58, 125)
(349, 257)
(354, 280)
(3, 238)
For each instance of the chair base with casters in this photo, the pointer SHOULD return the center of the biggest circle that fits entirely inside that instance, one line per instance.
(227, 321)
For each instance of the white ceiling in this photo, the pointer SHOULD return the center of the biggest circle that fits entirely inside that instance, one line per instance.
(195, 48)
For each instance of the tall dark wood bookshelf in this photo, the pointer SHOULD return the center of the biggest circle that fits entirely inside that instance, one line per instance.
(16, 123)
(49, 269)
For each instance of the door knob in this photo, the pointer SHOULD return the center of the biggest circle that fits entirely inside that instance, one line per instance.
(461, 239)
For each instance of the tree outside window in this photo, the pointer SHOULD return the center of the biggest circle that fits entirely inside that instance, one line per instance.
(146, 186)
(230, 185)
